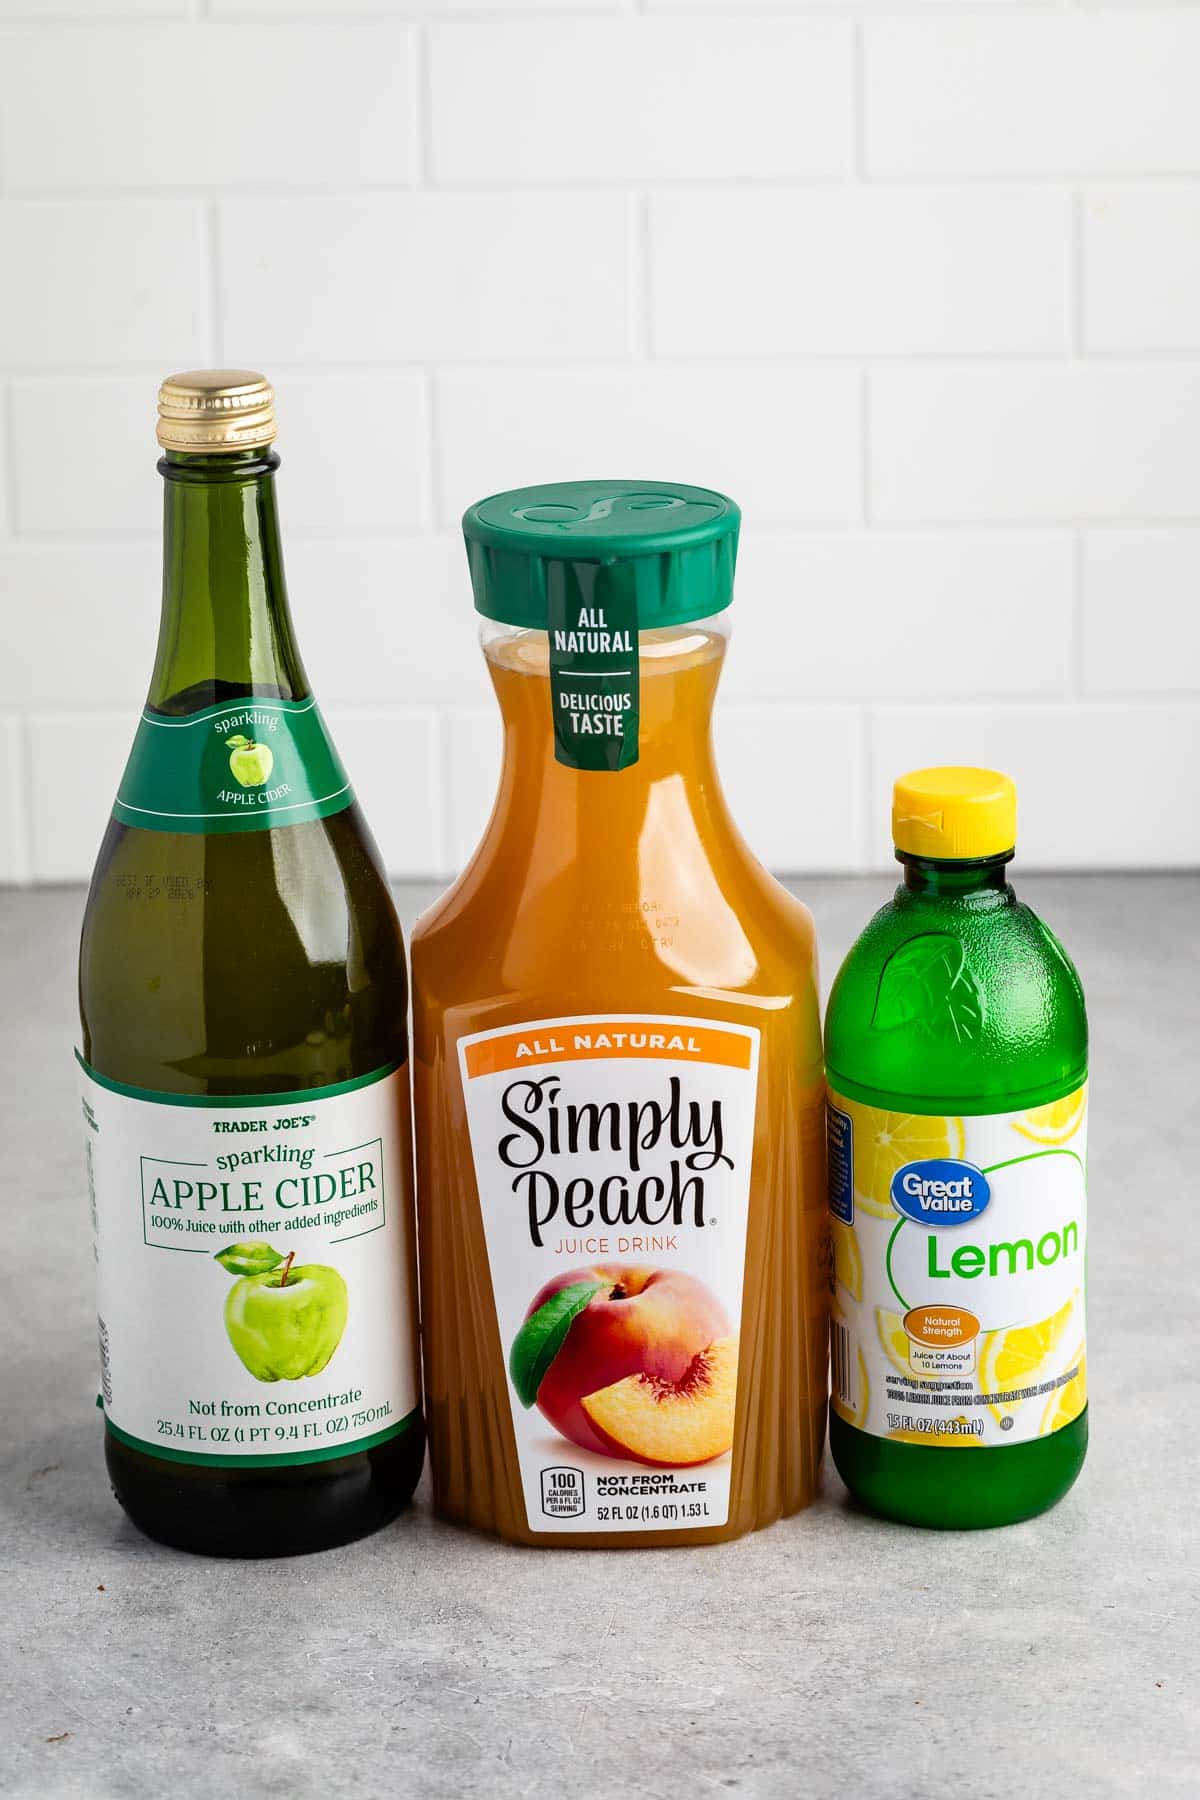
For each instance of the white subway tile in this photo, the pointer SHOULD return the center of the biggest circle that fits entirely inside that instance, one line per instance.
(793, 777)
(86, 623)
(205, 103)
(901, 617)
(1142, 268)
(1141, 620)
(104, 282)
(81, 10)
(390, 757)
(14, 858)
(776, 6)
(783, 441)
(385, 621)
(842, 270)
(474, 748)
(418, 8)
(638, 98)
(395, 276)
(355, 450)
(1085, 92)
(86, 455)
(1098, 786)
(75, 764)
(1034, 443)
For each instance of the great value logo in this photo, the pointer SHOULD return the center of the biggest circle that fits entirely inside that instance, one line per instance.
(940, 1191)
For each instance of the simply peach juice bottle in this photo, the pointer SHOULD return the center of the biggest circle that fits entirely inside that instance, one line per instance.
(617, 1065)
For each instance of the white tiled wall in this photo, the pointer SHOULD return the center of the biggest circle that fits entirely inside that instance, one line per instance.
(918, 281)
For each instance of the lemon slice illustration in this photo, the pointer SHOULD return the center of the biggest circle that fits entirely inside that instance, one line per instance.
(1056, 1123)
(1068, 1401)
(884, 1142)
(1014, 1356)
(894, 1339)
(847, 1257)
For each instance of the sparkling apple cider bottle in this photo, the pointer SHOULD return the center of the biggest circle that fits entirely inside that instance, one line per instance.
(617, 1065)
(244, 1058)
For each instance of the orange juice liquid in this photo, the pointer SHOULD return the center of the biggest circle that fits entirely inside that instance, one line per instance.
(596, 896)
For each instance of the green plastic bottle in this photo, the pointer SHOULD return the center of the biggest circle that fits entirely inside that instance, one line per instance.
(956, 1057)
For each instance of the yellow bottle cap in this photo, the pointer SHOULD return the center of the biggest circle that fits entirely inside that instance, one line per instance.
(208, 410)
(953, 814)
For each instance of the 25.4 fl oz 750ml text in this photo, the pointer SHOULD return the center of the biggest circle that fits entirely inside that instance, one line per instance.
(298, 1431)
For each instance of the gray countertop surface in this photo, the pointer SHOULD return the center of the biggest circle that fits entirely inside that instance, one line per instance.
(833, 1654)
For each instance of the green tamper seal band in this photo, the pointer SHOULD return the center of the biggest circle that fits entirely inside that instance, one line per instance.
(592, 619)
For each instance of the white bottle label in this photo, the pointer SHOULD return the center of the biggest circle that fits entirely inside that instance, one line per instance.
(612, 1155)
(958, 1249)
(253, 1262)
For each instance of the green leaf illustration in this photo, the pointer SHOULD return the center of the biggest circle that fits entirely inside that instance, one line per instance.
(926, 982)
(251, 1256)
(238, 742)
(541, 1337)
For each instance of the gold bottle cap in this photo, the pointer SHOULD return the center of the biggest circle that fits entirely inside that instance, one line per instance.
(216, 409)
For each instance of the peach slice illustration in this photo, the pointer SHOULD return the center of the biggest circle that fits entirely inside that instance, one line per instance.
(643, 1322)
(673, 1424)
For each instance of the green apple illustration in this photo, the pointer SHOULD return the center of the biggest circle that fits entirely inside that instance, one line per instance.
(284, 1319)
(249, 763)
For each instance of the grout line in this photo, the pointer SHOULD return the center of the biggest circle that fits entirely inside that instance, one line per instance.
(372, 186)
(598, 11)
(573, 361)
(8, 454)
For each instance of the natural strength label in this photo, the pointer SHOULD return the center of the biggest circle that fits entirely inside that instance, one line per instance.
(959, 1252)
(248, 765)
(254, 1262)
(612, 1156)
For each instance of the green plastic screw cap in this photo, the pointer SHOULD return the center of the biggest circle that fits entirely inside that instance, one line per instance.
(669, 549)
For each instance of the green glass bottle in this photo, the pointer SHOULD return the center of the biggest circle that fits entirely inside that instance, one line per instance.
(956, 1057)
(243, 1000)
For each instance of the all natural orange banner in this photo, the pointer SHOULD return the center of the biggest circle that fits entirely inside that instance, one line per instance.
(663, 1040)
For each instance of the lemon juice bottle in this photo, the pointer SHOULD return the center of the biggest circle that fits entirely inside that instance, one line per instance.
(243, 1060)
(956, 1052)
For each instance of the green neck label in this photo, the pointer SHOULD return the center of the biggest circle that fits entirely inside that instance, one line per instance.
(594, 678)
(247, 765)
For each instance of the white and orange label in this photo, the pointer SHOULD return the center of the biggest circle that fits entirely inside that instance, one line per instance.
(612, 1155)
(959, 1247)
